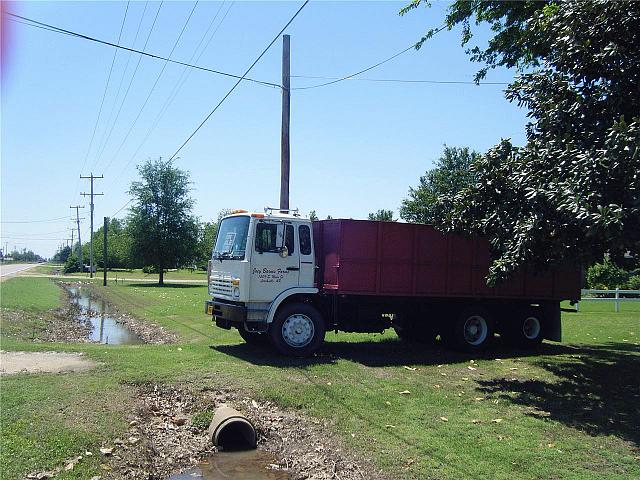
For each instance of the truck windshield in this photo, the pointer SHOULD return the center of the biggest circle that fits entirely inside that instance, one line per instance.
(232, 239)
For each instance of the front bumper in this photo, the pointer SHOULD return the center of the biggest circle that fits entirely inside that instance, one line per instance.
(226, 314)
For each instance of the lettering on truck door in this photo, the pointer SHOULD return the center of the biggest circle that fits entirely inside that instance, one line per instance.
(271, 272)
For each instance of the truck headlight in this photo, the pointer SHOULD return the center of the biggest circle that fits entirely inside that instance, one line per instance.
(236, 292)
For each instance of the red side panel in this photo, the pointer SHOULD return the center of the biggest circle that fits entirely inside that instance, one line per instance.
(388, 258)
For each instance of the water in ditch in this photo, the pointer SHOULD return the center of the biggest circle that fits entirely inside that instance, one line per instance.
(243, 465)
(105, 328)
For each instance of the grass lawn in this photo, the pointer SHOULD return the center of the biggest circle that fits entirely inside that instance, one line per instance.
(121, 274)
(29, 294)
(569, 410)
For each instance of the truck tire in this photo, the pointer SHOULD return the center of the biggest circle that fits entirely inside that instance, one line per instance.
(297, 330)
(253, 338)
(526, 330)
(472, 331)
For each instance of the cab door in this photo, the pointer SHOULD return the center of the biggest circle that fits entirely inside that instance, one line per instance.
(275, 260)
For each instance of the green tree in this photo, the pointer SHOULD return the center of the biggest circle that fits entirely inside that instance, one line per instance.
(60, 256)
(571, 194)
(382, 216)
(432, 200)
(119, 245)
(163, 230)
(313, 215)
(72, 264)
(607, 275)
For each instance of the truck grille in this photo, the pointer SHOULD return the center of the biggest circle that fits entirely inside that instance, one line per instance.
(220, 285)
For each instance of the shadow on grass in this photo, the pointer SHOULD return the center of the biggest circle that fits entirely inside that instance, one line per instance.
(167, 284)
(385, 353)
(597, 391)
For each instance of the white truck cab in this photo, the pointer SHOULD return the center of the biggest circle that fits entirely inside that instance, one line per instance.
(259, 261)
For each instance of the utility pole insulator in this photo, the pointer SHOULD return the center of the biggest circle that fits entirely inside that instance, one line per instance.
(286, 111)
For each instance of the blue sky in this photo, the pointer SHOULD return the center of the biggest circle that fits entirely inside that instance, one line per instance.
(356, 146)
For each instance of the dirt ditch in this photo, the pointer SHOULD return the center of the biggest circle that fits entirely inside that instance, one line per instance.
(167, 434)
(147, 331)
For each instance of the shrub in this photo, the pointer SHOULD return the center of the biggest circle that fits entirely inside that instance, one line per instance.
(72, 264)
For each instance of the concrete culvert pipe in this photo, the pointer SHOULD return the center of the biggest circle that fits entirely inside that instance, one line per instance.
(230, 430)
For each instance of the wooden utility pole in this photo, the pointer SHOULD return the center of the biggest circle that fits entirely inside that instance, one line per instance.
(77, 207)
(92, 178)
(284, 137)
(104, 251)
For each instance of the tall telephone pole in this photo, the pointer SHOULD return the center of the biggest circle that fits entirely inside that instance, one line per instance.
(284, 136)
(92, 178)
(77, 207)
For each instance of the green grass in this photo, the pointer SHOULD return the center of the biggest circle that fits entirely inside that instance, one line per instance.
(120, 274)
(566, 411)
(30, 294)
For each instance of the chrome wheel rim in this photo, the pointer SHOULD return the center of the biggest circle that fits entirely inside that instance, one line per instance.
(298, 330)
(531, 328)
(475, 330)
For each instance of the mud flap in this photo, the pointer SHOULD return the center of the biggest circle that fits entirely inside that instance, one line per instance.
(553, 324)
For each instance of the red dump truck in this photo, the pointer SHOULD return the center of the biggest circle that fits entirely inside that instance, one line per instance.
(280, 277)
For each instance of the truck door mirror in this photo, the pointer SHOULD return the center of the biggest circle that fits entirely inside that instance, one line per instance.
(284, 252)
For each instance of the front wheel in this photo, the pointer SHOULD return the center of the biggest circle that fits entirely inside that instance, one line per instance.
(297, 330)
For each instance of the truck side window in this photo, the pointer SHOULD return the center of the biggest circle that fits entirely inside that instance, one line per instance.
(288, 241)
(305, 239)
(267, 239)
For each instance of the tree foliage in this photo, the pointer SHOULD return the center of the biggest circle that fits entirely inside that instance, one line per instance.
(432, 200)
(571, 194)
(164, 232)
(382, 216)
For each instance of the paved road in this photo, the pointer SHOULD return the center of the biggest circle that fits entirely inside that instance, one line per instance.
(12, 269)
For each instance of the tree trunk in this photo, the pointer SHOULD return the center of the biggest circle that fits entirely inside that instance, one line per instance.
(161, 282)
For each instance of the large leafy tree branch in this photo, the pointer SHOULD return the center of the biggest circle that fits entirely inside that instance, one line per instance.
(572, 193)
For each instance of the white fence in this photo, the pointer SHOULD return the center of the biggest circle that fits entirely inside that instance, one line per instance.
(617, 296)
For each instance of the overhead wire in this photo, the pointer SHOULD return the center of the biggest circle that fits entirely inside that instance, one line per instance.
(107, 136)
(66, 217)
(376, 65)
(106, 88)
(238, 82)
(126, 68)
(153, 87)
(179, 84)
(53, 28)
(402, 80)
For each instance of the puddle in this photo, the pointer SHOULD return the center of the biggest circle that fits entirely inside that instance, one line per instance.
(245, 465)
(105, 329)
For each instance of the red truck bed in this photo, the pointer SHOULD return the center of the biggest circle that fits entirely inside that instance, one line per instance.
(366, 257)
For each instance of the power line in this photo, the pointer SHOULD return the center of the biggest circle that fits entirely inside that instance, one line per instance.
(106, 87)
(402, 80)
(33, 234)
(55, 29)
(153, 87)
(239, 80)
(121, 208)
(347, 77)
(125, 69)
(106, 137)
(37, 221)
(186, 72)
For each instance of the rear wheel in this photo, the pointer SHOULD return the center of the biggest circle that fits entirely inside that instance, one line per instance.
(472, 331)
(253, 338)
(297, 330)
(526, 331)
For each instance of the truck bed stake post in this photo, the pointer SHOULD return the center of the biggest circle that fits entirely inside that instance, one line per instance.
(284, 137)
